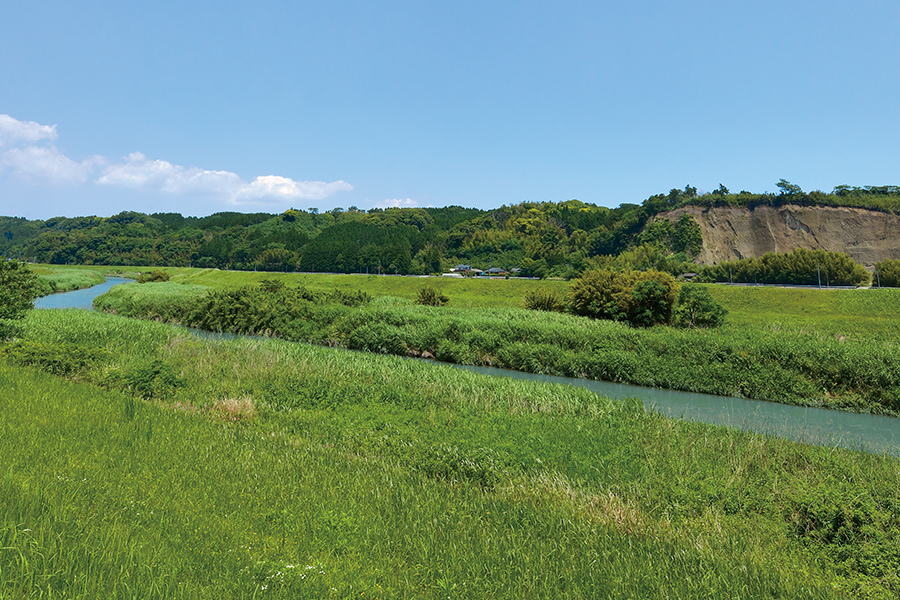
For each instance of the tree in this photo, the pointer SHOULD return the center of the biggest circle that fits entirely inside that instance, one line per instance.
(651, 303)
(721, 191)
(642, 298)
(697, 308)
(787, 188)
(18, 289)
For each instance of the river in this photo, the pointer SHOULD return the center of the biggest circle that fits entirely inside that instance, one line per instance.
(804, 424)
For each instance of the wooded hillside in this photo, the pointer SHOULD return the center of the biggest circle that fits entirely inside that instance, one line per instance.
(535, 239)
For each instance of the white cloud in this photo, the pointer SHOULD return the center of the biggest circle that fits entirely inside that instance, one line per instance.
(14, 131)
(397, 203)
(46, 164)
(281, 188)
(140, 173)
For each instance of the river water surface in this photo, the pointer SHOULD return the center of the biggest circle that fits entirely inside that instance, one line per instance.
(804, 424)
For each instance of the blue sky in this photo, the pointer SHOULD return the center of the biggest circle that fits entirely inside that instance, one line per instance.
(199, 107)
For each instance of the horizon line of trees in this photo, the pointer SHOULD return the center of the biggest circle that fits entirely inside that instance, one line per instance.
(541, 239)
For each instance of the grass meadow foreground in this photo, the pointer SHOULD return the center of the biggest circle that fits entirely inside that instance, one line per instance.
(157, 464)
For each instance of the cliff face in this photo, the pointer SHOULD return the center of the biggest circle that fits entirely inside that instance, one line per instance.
(730, 233)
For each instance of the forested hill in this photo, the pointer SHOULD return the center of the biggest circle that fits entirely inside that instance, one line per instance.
(538, 238)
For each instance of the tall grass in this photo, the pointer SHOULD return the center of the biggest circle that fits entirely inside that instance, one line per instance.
(399, 478)
(463, 292)
(167, 505)
(64, 279)
(857, 371)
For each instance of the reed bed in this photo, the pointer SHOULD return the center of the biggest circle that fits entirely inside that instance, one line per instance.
(209, 468)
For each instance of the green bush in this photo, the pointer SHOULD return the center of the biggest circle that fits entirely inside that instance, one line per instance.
(61, 358)
(154, 380)
(887, 273)
(640, 298)
(544, 299)
(800, 267)
(157, 275)
(19, 287)
(697, 308)
(428, 296)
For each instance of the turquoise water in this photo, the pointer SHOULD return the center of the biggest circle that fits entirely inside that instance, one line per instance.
(79, 298)
(880, 435)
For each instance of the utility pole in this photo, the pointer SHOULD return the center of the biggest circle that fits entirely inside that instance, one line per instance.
(819, 271)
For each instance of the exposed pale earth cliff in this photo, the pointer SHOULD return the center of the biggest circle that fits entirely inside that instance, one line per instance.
(730, 233)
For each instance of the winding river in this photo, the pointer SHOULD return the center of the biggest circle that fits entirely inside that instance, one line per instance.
(880, 435)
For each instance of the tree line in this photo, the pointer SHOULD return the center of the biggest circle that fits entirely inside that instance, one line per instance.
(536, 239)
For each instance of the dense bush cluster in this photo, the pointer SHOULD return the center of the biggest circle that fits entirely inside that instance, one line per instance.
(154, 276)
(273, 309)
(19, 287)
(887, 274)
(428, 296)
(641, 298)
(800, 267)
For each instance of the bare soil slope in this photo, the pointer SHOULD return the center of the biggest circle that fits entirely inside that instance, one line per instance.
(733, 232)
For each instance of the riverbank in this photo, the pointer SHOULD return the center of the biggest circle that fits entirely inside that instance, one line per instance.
(696, 510)
(856, 370)
(55, 279)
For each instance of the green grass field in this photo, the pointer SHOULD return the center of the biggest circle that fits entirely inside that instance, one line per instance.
(859, 313)
(463, 293)
(847, 313)
(58, 278)
(862, 312)
(828, 348)
(173, 466)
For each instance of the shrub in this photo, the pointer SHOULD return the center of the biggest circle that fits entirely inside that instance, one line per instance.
(799, 267)
(18, 289)
(641, 298)
(697, 308)
(155, 380)
(60, 358)
(887, 273)
(542, 299)
(428, 296)
(651, 303)
(156, 275)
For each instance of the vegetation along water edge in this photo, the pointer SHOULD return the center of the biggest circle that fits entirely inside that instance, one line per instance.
(222, 469)
(835, 349)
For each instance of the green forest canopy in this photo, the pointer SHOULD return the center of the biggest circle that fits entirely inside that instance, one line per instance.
(536, 238)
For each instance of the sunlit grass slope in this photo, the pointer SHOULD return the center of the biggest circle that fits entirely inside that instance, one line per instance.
(862, 312)
(849, 361)
(284, 470)
(859, 313)
(58, 278)
(463, 293)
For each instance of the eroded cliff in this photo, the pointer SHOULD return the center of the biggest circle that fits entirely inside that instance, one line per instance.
(731, 232)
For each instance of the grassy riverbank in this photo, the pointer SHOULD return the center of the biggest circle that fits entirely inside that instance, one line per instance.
(850, 361)
(53, 279)
(65, 278)
(847, 313)
(285, 470)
